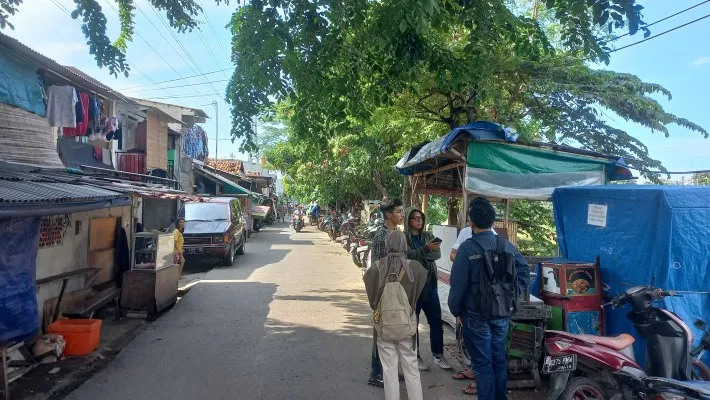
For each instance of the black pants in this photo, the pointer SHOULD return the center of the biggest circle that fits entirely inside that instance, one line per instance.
(429, 302)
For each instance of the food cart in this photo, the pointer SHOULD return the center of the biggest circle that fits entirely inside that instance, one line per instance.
(152, 283)
(485, 159)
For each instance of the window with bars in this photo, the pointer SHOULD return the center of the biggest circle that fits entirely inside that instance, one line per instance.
(52, 230)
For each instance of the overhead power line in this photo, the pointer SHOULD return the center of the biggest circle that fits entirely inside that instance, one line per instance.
(665, 18)
(214, 33)
(575, 60)
(177, 79)
(133, 66)
(108, 3)
(209, 50)
(172, 87)
(186, 96)
(660, 34)
(179, 43)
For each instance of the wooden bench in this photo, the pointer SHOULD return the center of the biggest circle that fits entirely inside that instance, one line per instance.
(89, 273)
(96, 302)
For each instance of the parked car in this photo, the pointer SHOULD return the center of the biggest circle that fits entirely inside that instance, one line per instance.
(216, 228)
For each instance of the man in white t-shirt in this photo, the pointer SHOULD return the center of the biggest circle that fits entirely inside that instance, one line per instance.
(464, 235)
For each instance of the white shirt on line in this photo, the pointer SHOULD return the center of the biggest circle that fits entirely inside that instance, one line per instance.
(465, 234)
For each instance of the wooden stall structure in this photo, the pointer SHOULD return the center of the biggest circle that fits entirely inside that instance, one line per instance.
(485, 159)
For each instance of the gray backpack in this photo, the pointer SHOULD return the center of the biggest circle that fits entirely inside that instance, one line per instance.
(394, 318)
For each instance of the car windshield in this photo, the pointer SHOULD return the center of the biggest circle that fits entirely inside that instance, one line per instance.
(206, 212)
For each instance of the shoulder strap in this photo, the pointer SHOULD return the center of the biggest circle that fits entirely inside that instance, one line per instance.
(490, 273)
(401, 275)
(500, 243)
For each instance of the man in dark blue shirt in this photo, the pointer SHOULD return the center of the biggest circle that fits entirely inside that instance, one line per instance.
(484, 338)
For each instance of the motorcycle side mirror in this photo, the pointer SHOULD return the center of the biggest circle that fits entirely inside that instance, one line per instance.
(702, 325)
(606, 287)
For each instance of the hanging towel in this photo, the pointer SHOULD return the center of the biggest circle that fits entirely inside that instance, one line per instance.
(61, 106)
(99, 154)
(81, 126)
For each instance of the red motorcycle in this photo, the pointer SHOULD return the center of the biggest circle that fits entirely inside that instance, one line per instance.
(596, 367)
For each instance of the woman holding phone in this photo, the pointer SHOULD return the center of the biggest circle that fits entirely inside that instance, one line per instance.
(425, 248)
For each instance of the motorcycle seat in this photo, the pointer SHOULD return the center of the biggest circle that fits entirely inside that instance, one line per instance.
(619, 342)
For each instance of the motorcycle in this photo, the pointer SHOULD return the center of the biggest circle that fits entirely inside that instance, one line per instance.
(360, 248)
(596, 367)
(297, 222)
(334, 227)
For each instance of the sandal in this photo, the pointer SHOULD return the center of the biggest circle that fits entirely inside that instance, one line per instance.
(376, 381)
(470, 390)
(462, 376)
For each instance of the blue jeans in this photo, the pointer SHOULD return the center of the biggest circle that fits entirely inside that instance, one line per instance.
(485, 341)
(432, 309)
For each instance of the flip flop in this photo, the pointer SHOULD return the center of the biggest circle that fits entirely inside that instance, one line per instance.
(461, 376)
(470, 390)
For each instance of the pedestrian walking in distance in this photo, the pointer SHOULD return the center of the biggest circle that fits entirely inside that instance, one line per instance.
(393, 286)
(424, 249)
(487, 278)
(392, 211)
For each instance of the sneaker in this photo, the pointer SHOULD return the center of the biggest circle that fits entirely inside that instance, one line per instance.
(442, 362)
(422, 364)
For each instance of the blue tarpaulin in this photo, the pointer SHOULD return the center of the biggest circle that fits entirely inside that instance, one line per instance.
(19, 239)
(19, 86)
(477, 130)
(642, 234)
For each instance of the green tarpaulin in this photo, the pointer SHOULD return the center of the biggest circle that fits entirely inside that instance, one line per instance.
(506, 170)
(507, 157)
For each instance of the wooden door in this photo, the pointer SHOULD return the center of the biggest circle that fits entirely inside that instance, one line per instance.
(102, 253)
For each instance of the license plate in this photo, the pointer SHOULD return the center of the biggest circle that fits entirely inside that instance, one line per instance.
(559, 364)
(361, 249)
(194, 250)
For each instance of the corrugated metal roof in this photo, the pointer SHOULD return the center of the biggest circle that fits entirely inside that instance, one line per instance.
(26, 185)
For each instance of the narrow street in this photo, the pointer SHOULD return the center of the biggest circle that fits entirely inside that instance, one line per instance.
(289, 320)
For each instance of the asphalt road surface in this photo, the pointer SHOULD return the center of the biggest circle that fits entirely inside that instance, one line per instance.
(289, 320)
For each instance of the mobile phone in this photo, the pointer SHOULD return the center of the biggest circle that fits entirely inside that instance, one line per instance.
(436, 240)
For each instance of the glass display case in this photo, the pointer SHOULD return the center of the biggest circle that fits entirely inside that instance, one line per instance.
(152, 283)
(153, 250)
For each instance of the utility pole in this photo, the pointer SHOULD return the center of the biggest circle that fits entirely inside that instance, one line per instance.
(216, 135)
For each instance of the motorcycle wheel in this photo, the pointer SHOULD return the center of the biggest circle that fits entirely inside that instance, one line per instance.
(583, 388)
(356, 259)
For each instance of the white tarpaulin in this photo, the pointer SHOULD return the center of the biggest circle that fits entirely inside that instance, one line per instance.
(509, 185)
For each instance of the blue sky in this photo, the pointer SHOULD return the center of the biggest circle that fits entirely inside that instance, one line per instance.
(680, 61)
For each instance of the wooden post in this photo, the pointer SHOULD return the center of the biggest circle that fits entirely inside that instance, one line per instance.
(407, 192)
(464, 209)
(507, 212)
(453, 212)
(425, 202)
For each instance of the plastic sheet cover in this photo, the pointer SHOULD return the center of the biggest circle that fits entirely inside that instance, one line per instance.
(642, 234)
(510, 185)
(19, 240)
(19, 85)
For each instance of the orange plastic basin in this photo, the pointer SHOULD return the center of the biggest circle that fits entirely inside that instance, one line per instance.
(81, 335)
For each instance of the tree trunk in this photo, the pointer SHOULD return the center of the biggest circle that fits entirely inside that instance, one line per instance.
(377, 180)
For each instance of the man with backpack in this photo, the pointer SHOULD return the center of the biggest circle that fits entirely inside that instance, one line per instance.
(392, 210)
(393, 286)
(487, 277)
